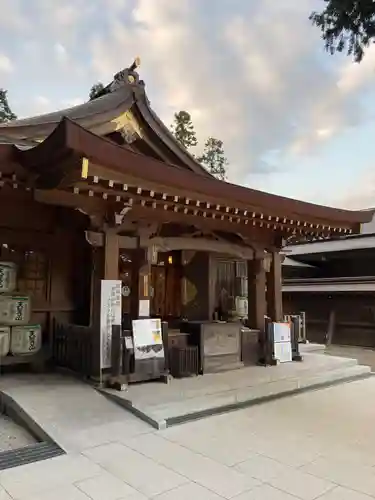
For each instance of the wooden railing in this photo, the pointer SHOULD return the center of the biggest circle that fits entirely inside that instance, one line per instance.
(72, 347)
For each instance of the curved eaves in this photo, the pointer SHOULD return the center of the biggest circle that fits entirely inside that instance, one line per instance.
(166, 136)
(91, 115)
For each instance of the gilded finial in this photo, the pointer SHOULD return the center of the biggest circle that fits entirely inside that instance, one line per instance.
(136, 64)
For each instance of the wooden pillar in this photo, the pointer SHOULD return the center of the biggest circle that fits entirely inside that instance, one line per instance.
(141, 284)
(144, 288)
(257, 307)
(111, 255)
(96, 276)
(274, 289)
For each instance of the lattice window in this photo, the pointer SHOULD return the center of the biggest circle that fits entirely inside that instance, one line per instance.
(232, 277)
(241, 279)
(226, 277)
(32, 274)
(32, 269)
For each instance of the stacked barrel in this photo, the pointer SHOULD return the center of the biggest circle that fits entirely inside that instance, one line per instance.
(17, 336)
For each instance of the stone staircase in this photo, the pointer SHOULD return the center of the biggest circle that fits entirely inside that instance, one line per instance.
(191, 398)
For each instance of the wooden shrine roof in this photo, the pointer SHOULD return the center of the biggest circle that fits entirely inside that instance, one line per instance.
(56, 163)
(46, 152)
(124, 108)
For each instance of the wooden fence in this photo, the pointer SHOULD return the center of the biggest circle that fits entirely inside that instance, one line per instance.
(72, 347)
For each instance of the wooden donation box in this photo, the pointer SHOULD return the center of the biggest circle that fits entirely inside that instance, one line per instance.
(219, 344)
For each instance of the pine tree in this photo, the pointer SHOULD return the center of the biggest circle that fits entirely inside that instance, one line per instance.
(6, 114)
(214, 159)
(346, 25)
(96, 90)
(183, 129)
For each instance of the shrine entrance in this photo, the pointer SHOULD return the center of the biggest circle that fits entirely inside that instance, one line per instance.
(166, 286)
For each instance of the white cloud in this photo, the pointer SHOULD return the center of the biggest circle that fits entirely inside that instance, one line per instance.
(361, 193)
(355, 77)
(6, 65)
(60, 52)
(251, 73)
(70, 103)
(42, 101)
(13, 18)
(253, 78)
(40, 105)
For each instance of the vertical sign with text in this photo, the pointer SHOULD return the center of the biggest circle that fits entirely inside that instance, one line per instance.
(110, 314)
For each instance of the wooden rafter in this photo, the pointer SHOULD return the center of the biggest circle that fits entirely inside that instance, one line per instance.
(95, 186)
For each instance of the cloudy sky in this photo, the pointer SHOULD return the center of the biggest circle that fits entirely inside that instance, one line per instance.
(294, 120)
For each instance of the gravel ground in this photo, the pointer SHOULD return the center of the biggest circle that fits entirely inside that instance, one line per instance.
(13, 436)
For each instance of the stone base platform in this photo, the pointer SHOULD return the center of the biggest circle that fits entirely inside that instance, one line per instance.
(182, 400)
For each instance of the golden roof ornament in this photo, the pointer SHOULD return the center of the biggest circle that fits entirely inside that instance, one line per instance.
(127, 75)
(136, 64)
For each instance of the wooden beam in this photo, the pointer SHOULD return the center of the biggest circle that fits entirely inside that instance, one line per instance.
(111, 255)
(262, 236)
(71, 200)
(202, 244)
(256, 294)
(168, 244)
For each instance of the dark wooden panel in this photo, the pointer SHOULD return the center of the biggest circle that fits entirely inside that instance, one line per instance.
(354, 315)
(250, 346)
(196, 274)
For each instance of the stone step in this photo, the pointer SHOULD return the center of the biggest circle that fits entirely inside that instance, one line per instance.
(311, 348)
(213, 366)
(331, 376)
(340, 361)
(183, 411)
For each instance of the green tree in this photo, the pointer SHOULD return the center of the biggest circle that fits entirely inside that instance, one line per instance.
(183, 129)
(96, 90)
(214, 159)
(346, 25)
(6, 114)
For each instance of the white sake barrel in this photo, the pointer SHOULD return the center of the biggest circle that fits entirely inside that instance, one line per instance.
(8, 277)
(14, 310)
(4, 341)
(25, 339)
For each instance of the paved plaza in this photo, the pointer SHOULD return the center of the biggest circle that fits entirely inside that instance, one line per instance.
(315, 445)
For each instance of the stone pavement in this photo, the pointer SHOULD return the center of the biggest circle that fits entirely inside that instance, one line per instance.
(317, 445)
(163, 405)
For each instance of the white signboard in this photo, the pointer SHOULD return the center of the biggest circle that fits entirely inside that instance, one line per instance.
(282, 346)
(148, 341)
(110, 314)
(281, 332)
(144, 308)
(283, 352)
